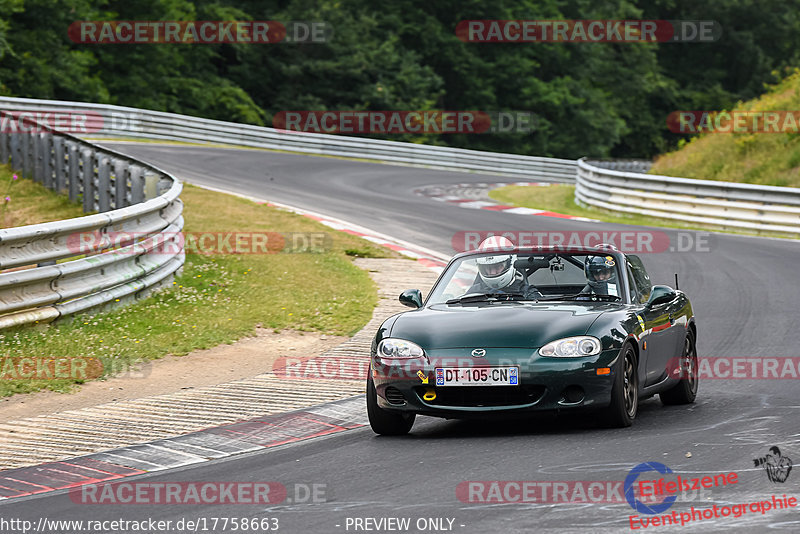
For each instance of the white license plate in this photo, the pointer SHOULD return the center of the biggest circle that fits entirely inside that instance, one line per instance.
(477, 376)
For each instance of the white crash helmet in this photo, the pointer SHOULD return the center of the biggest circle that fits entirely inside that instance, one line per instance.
(497, 271)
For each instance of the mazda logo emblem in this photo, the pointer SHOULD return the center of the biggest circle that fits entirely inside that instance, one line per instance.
(479, 353)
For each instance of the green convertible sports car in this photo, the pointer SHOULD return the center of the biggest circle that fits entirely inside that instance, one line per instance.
(515, 330)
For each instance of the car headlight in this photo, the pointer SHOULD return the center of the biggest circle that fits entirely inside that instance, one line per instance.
(399, 348)
(572, 347)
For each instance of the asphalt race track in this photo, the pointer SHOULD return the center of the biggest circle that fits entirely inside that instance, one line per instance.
(745, 295)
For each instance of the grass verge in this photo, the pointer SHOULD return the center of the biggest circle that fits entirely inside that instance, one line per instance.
(758, 158)
(218, 299)
(30, 202)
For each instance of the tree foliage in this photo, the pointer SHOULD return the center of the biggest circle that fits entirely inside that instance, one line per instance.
(596, 99)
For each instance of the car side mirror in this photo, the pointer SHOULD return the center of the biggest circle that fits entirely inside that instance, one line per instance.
(660, 295)
(411, 298)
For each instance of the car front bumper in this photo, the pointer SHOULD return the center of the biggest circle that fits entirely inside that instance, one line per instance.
(545, 384)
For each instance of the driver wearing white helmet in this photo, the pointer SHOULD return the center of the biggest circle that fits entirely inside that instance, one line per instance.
(496, 272)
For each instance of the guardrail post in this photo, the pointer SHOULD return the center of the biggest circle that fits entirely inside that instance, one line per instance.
(58, 164)
(121, 170)
(47, 161)
(87, 160)
(4, 148)
(16, 151)
(27, 154)
(37, 157)
(137, 184)
(73, 171)
(163, 186)
(151, 185)
(103, 183)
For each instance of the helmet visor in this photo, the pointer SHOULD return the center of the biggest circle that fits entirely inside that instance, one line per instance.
(600, 272)
(493, 270)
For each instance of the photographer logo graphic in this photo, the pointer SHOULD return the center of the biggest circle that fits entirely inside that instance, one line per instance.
(775, 464)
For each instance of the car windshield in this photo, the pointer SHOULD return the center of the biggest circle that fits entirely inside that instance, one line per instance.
(549, 276)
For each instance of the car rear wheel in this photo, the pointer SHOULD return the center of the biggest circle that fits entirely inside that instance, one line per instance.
(625, 392)
(686, 390)
(385, 422)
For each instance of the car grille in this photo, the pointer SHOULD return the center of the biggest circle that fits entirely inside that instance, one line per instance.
(394, 396)
(480, 396)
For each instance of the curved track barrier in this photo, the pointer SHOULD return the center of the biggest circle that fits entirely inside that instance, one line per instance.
(613, 185)
(130, 248)
(109, 121)
(726, 205)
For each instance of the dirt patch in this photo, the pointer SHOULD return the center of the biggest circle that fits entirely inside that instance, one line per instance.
(225, 363)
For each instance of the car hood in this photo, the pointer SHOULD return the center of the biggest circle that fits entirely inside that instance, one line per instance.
(512, 325)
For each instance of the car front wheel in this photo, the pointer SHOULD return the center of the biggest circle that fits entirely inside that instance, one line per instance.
(625, 391)
(382, 421)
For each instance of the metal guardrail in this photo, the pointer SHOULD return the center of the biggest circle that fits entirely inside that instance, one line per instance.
(53, 276)
(726, 205)
(121, 122)
(613, 185)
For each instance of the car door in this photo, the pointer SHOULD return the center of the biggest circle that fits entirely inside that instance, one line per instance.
(660, 339)
(657, 341)
(680, 313)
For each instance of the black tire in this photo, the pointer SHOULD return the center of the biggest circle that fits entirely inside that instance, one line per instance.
(384, 422)
(685, 391)
(625, 392)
